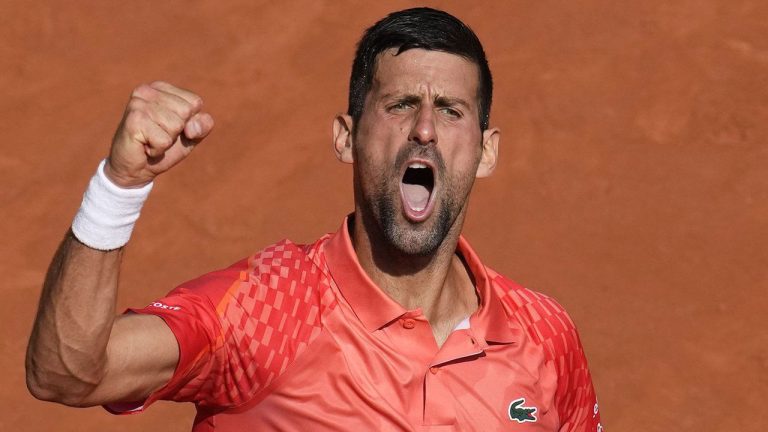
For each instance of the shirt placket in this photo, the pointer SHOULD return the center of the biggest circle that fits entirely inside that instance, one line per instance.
(439, 406)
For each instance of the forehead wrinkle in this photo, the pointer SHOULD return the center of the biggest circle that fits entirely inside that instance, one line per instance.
(397, 89)
(437, 99)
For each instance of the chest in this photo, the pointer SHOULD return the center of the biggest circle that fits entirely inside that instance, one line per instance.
(396, 379)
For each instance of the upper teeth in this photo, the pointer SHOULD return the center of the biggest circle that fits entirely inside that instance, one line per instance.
(417, 165)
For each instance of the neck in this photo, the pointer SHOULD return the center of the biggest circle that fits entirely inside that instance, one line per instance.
(439, 283)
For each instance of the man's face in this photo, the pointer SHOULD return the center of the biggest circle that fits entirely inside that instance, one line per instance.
(417, 147)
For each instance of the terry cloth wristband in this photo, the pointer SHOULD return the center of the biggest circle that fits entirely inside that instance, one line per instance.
(108, 212)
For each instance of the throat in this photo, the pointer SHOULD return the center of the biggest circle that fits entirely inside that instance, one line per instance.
(442, 329)
(445, 297)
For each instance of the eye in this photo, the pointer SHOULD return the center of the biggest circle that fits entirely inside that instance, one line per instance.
(399, 106)
(451, 112)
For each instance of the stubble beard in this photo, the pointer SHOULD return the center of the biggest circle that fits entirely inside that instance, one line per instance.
(410, 238)
(414, 239)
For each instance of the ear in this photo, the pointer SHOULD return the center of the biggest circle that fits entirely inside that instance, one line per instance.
(490, 152)
(342, 137)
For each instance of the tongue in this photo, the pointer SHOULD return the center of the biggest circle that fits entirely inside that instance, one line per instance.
(416, 196)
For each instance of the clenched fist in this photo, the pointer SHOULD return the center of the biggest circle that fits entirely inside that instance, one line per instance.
(160, 127)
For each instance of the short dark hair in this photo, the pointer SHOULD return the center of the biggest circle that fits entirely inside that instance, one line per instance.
(424, 28)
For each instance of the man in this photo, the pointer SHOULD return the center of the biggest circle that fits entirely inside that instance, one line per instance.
(391, 323)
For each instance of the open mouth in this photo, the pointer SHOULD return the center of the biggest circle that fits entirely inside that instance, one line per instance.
(416, 189)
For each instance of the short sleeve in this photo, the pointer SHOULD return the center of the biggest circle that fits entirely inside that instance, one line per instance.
(240, 328)
(204, 370)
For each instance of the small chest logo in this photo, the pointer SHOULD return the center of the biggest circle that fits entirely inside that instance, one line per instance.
(521, 413)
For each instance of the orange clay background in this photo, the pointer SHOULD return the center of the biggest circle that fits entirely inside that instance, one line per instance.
(632, 185)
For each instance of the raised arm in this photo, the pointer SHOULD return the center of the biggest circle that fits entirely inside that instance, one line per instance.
(79, 353)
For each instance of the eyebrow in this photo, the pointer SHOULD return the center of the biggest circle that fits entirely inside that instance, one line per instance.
(440, 101)
(447, 101)
(408, 98)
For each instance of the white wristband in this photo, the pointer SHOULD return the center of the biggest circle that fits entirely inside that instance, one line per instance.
(108, 212)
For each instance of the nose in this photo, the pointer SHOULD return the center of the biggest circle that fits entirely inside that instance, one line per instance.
(423, 130)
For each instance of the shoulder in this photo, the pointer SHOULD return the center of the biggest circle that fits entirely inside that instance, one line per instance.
(283, 269)
(545, 321)
(240, 327)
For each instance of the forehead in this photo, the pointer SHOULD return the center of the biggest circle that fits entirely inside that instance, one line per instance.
(419, 71)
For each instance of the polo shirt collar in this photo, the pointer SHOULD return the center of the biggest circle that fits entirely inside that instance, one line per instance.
(376, 309)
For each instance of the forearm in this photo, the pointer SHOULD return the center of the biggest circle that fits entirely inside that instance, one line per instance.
(79, 353)
(66, 356)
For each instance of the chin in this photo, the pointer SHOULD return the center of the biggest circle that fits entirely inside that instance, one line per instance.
(414, 244)
(416, 239)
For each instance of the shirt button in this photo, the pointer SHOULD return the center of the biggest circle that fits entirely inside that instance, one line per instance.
(434, 370)
(409, 323)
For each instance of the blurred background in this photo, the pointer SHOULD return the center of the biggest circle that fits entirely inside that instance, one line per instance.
(632, 185)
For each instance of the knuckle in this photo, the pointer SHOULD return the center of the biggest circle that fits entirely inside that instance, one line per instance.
(174, 125)
(142, 91)
(158, 84)
(159, 143)
(135, 105)
(196, 102)
(185, 111)
(135, 120)
(162, 142)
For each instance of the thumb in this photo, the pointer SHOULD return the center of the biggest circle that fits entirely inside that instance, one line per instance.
(198, 127)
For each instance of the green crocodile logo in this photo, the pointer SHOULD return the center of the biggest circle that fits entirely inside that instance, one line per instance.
(520, 413)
